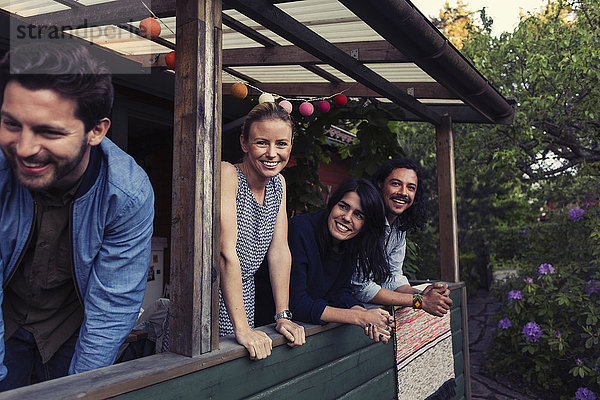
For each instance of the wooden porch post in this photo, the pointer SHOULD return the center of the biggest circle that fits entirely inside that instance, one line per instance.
(194, 282)
(449, 230)
(447, 201)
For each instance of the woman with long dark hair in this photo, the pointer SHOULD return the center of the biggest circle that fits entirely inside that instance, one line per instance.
(254, 227)
(326, 248)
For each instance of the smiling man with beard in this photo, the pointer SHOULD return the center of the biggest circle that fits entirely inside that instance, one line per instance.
(401, 188)
(76, 216)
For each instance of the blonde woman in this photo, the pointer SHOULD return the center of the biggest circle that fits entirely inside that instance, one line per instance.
(254, 226)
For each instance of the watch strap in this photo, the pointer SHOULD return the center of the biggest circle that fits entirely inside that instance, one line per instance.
(287, 314)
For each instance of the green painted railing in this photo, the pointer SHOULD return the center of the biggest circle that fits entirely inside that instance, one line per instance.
(337, 361)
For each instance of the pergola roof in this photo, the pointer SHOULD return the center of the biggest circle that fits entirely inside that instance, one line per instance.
(383, 49)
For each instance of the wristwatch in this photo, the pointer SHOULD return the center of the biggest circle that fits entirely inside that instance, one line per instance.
(287, 314)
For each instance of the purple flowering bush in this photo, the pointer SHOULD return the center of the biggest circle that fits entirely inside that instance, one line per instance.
(576, 214)
(514, 295)
(504, 323)
(545, 269)
(532, 332)
(548, 329)
(584, 394)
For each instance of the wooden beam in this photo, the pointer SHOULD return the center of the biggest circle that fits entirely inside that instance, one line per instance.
(268, 43)
(271, 17)
(196, 176)
(460, 113)
(428, 90)
(113, 12)
(70, 3)
(447, 201)
(368, 52)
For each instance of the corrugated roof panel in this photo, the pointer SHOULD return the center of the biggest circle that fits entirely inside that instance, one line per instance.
(280, 74)
(309, 10)
(235, 40)
(441, 101)
(356, 31)
(335, 72)
(117, 39)
(92, 2)
(27, 8)
(328, 18)
(232, 39)
(400, 72)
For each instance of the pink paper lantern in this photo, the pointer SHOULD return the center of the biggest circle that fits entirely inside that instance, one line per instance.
(286, 105)
(340, 100)
(306, 108)
(323, 106)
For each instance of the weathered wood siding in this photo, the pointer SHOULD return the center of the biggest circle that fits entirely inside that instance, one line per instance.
(341, 362)
(338, 363)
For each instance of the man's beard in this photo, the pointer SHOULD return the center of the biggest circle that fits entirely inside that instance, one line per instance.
(59, 169)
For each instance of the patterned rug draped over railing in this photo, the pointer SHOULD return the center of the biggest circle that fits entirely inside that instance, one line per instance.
(424, 357)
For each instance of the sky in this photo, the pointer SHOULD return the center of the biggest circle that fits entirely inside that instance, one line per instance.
(505, 13)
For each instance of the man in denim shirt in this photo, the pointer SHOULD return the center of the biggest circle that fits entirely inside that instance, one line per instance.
(401, 189)
(76, 216)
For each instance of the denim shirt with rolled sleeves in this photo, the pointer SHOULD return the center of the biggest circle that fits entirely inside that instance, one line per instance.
(395, 250)
(111, 229)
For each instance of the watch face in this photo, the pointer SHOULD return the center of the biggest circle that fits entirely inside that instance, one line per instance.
(287, 314)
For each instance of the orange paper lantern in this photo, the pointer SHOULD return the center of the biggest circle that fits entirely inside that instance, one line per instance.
(239, 90)
(170, 60)
(150, 28)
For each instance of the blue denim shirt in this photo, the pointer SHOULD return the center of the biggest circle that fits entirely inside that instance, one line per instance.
(111, 231)
(395, 251)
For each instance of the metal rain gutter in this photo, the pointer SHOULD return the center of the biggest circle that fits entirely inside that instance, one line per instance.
(407, 29)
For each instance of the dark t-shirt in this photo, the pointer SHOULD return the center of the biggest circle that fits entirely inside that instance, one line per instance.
(317, 283)
(41, 296)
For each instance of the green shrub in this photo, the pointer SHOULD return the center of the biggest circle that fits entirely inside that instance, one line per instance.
(548, 332)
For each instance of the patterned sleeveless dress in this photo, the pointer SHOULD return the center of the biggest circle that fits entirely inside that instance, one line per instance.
(255, 225)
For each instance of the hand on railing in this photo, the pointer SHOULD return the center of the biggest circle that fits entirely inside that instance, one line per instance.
(436, 300)
(293, 332)
(258, 343)
(377, 324)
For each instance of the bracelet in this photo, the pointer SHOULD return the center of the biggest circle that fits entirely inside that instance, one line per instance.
(417, 301)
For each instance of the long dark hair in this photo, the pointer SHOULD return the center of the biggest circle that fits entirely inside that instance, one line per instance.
(415, 217)
(367, 246)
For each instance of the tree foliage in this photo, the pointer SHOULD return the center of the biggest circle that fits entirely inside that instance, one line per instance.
(550, 65)
(455, 23)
